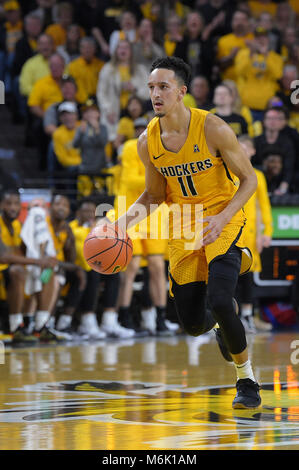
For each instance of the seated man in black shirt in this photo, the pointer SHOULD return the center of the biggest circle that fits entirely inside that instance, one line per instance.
(223, 100)
(273, 134)
(272, 168)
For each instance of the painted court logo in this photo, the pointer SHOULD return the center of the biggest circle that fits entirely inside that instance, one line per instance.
(205, 412)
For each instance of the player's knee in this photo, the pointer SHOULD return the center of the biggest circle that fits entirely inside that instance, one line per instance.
(194, 330)
(221, 304)
(156, 266)
(16, 273)
(194, 324)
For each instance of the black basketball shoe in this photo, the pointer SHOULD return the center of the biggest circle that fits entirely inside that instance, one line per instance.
(248, 395)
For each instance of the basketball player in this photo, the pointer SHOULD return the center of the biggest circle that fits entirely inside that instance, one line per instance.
(189, 155)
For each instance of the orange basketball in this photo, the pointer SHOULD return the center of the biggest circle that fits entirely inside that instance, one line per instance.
(107, 249)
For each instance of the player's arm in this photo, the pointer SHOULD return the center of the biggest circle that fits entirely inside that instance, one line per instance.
(220, 138)
(154, 193)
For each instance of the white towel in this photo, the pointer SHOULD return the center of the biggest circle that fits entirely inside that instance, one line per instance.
(34, 233)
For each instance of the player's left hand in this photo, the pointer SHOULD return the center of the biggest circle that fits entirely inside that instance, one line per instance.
(214, 228)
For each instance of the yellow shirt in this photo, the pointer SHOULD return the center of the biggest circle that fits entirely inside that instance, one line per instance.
(169, 45)
(257, 8)
(34, 69)
(125, 76)
(126, 128)
(66, 154)
(80, 233)
(260, 198)
(46, 92)
(132, 177)
(294, 120)
(59, 240)
(189, 101)
(295, 5)
(224, 47)
(257, 77)
(193, 175)
(10, 240)
(86, 74)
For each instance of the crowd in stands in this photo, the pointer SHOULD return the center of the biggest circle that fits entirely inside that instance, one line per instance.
(75, 76)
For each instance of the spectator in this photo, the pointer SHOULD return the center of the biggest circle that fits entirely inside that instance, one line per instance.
(223, 100)
(265, 21)
(26, 47)
(238, 106)
(111, 13)
(37, 66)
(258, 70)
(258, 233)
(289, 39)
(91, 139)
(67, 156)
(173, 35)
(87, 304)
(70, 50)
(120, 78)
(45, 92)
(193, 49)
(290, 74)
(46, 11)
(10, 32)
(273, 167)
(90, 15)
(128, 31)
(51, 117)
(285, 17)
(273, 123)
(58, 30)
(229, 45)
(217, 16)
(145, 50)
(199, 94)
(125, 128)
(13, 261)
(87, 67)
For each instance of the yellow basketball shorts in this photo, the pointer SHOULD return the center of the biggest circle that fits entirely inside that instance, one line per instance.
(148, 247)
(187, 266)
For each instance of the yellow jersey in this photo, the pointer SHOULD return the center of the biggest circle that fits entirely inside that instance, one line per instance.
(261, 199)
(193, 174)
(11, 240)
(80, 233)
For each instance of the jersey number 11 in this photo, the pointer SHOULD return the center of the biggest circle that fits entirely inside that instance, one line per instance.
(190, 186)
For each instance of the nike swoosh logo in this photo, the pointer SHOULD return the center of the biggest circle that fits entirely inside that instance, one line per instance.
(156, 158)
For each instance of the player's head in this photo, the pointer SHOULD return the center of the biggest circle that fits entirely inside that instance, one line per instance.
(247, 144)
(272, 160)
(86, 210)
(60, 207)
(168, 82)
(10, 204)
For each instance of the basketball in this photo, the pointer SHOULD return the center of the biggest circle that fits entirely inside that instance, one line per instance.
(107, 249)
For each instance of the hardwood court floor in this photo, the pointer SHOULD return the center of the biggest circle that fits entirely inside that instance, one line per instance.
(147, 394)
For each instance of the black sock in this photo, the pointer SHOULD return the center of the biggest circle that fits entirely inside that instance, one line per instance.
(123, 314)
